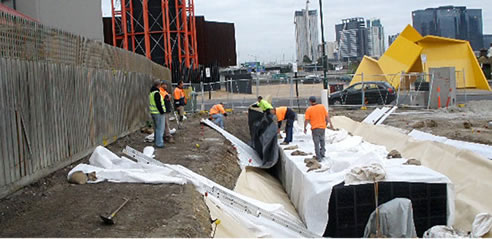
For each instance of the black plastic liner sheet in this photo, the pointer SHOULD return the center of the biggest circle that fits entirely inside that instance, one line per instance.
(263, 131)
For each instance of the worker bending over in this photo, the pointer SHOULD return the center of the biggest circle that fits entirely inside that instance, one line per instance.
(157, 110)
(179, 100)
(217, 114)
(264, 105)
(318, 117)
(167, 103)
(285, 114)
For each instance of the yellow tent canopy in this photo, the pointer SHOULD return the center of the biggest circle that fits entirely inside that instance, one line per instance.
(404, 55)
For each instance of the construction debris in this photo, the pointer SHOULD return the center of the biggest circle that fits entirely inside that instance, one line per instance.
(467, 125)
(393, 154)
(312, 164)
(421, 124)
(413, 162)
(80, 177)
(300, 153)
(293, 147)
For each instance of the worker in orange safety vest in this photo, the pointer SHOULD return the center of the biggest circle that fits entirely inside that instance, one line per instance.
(288, 115)
(167, 102)
(217, 114)
(179, 100)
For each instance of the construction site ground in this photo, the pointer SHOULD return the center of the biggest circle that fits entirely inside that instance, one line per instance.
(52, 207)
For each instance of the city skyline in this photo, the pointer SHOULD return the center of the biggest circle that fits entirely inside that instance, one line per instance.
(265, 30)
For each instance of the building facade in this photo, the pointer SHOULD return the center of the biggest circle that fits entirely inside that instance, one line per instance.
(331, 50)
(487, 41)
(451, 22)
(375, 38)
(79, 17)
(392, 38)
(307, 35)
(352, 37)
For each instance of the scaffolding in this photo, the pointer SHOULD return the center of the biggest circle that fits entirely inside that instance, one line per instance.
(162, 30)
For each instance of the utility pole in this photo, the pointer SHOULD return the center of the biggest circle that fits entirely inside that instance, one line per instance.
(323, 58)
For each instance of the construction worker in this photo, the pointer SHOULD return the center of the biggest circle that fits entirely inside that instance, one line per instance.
(318, 117)
(179, 100)
(157, 110)
(287, 114)
(264, 105)
(217, 114)
(167, 103)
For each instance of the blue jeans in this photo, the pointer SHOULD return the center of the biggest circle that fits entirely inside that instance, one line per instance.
(288, 130)
(159, 126)
(219, 120)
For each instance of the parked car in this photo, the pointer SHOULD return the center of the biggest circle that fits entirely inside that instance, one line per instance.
(376, 92)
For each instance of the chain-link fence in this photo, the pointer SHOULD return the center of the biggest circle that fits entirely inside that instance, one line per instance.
(402, 89)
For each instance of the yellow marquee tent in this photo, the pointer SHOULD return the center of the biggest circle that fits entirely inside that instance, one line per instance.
(405, 55)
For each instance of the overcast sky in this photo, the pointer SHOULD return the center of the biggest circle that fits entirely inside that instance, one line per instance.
(265, 28)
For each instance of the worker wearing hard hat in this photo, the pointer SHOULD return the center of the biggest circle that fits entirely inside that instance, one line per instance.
(217, 114)
(285, 114)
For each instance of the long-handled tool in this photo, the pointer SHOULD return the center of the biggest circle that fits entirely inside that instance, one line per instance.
(109, 220)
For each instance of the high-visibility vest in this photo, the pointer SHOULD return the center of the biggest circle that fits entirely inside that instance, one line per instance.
(264, 105)
(216, 109)
(163, 92)
(178, 93)
(153, 105)
(281, 112)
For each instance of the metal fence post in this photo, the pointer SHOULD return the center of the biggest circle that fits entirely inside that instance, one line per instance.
(363, 89)
(291, 100)
(232, 92)
(257, 86)
(201, 89)
(464, 85)
(399, 89)
(430, 91)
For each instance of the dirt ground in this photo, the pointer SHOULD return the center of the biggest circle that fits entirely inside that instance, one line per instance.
(52, 207)
(449, 122)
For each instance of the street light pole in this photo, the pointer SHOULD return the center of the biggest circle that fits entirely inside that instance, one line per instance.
(323, 58)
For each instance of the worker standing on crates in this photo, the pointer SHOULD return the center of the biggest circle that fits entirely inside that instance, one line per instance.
(167, 103)
(179, 100)
(157, 110)
(285, 114)
(217, 114)
(318, 117)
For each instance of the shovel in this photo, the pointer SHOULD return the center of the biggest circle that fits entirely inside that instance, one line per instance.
(109, 220)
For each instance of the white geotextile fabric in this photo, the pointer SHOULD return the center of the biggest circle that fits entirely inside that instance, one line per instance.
(480, 149)
(112, 168)
(247, 155)
(310, 192)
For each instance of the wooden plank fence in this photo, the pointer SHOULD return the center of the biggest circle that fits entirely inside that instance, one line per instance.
(61, 95)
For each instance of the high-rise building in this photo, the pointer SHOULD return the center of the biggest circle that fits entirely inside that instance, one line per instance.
(375, 38)
(351, 36)
(330, 50)
(452, 22)
(307, 35)
(392, 38)
(487, 41)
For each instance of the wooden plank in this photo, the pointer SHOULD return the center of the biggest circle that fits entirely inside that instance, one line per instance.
(3, 134)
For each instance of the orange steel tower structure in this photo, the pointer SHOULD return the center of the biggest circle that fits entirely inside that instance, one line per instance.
(162, 30)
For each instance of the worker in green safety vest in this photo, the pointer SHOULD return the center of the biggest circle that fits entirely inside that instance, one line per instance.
(264, 105)
(157, 110)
